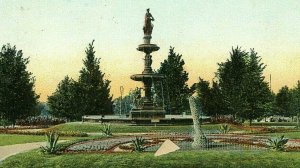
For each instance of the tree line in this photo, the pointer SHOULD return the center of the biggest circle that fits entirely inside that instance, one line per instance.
(238, 89)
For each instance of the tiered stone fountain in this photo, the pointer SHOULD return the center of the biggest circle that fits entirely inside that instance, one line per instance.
(147, 112)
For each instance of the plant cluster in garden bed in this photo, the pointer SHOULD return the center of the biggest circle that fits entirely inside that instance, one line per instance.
(43, 132)
(40, 120)
(249, 142)
(262, 130)
(97, 145)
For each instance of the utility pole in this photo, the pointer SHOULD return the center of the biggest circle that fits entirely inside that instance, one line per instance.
(121, 91)
(270, 82)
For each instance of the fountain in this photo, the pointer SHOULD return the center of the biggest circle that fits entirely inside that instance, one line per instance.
(148, 111)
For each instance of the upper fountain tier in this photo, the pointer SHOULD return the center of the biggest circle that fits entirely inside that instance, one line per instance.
(147, 48)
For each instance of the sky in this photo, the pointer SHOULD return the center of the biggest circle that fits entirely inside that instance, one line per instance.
(54, 34)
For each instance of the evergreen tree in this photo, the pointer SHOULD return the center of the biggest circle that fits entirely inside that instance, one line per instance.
(244, 90)
(96, 99)
(17, 96)
(63, 102)
(232, 76)
(176, 90)
(258, 94)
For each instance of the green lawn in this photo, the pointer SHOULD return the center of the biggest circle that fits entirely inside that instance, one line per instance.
(226, 159)
(291, 135)
(123, 128)
(275, 124)
(10, 139)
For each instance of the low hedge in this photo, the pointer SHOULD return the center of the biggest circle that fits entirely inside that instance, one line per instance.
(43, 132)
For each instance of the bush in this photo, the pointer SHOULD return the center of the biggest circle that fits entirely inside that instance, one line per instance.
(5, 123)
(277, 144)
(51, 147)
(40, 120)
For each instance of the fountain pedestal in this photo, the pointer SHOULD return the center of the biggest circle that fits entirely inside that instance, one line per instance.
(148, 111)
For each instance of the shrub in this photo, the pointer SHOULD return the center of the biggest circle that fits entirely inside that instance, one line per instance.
(224, 128)
(40, 120)
(277, 143)
(139, 144)
(51, 147)
(106, 130)
(5, 123)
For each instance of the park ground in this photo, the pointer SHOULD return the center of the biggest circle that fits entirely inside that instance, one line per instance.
(33, 157)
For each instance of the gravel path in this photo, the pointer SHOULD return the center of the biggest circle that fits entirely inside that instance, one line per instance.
(9, 150)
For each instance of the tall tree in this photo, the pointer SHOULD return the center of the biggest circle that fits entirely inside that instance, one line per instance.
(258, 93)
(175, 86)
(232, 76)
(96, 97)
(242, 83)
(17, 95)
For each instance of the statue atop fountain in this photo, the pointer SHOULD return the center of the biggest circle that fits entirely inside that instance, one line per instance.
(148, 26)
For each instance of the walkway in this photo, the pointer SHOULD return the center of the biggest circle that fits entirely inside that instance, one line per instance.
(9, 150)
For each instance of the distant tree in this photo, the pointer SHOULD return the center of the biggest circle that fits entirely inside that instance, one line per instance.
(283, 101)
(204, 95)
(295, 105)
(217, 103)
(270, 107)
(176, 90)
(17, 95)
(210, 98)
(241, 81)
(96, 99)
(63, 101)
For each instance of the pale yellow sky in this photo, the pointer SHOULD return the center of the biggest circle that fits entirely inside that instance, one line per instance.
(55, 33)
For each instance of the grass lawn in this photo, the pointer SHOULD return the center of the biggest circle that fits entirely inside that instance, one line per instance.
(226, 159)
(275, 124)
(291, 135)
(123, 128)
(10, 139)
